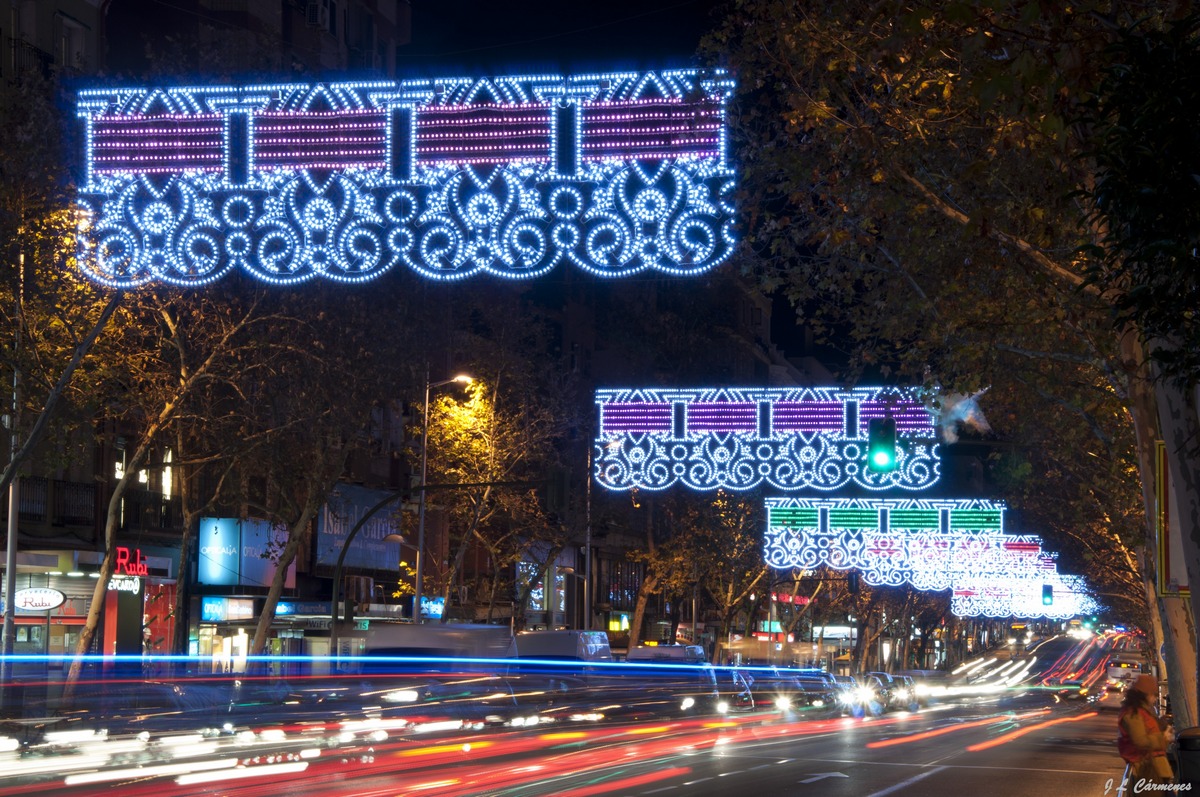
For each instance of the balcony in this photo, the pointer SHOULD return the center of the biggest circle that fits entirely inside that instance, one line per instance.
(28, 59)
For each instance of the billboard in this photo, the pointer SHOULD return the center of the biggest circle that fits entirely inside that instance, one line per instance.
(236, 552)
(347, 505)
(613, 173)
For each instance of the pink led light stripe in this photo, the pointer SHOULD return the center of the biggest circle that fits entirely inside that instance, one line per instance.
(722, 416)
(635, 416)
(807, 415)
(157, 143)
(483, 134)
(650, 128)
(333, 139)
(910, 416)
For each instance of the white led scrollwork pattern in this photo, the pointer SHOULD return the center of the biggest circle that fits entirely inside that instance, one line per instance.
(930, 544)
(614, 173)
(1014, 597)
(744, 438)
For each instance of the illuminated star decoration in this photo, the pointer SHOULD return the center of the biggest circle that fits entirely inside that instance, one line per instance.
(615, 173)
(930, 544)
(745, 438)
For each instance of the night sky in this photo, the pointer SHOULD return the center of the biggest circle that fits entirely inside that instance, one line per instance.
(553, 36)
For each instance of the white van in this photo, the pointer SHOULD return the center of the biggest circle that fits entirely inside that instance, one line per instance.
(678, 654)
(564, 645)
(438, 640)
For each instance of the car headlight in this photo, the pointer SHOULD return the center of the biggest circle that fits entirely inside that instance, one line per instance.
(783, 703)
(722, 707)
(865, 695)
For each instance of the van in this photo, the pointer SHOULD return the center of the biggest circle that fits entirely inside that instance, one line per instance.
(678, 677)
(441, 641)
(678, 654)
(564, 645)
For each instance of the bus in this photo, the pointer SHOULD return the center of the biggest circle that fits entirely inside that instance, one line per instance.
(1124, 667)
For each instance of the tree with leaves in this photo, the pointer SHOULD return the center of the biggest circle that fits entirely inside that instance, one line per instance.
(912, 183)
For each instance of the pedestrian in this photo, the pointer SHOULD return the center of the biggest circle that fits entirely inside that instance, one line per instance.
(1141, 737)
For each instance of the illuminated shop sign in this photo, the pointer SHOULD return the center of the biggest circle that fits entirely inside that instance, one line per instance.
(130, 563)
(130, 584)
(38, 599)
(746, 438)
(614, 173)
(217, 609)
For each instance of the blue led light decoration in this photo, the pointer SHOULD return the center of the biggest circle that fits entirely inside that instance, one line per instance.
(614, 173)
(744, 438)
(930, 544)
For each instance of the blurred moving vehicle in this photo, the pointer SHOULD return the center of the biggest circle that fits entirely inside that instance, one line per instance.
(907, 696)
(678, 675)
(800, 691)
(564, 645)
(734, 692)
(872, 696)
(435, 640)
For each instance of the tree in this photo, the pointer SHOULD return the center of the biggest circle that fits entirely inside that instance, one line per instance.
(1143, 124)
(498, 438)
(912, 185)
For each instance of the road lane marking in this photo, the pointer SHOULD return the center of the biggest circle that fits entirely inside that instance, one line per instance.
(906, 783)
(861, 762)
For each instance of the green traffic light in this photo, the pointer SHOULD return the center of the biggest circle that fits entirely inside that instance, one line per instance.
(881, 445)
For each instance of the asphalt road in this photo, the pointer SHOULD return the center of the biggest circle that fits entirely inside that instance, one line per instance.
(1026, 739)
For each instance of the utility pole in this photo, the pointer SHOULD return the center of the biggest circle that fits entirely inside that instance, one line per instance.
(14, 489)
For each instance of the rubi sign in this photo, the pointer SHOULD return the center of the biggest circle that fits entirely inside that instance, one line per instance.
(130, 563)
(38, 599)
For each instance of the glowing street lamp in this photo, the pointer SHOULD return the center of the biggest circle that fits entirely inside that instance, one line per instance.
(461, 379)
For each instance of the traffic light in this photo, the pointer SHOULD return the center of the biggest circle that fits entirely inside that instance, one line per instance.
(1047, 594)
(881, 445)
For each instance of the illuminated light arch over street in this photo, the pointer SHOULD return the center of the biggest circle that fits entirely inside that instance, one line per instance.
(616, 174)
(930, 544)
(745, 438)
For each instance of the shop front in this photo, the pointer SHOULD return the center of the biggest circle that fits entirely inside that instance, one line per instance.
(54, 592)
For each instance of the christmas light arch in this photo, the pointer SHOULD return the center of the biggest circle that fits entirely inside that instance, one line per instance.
(614, 173)
(744, 438)
(930, 544)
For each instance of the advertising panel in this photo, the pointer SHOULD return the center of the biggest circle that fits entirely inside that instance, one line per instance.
(261, 544)
(220, 543)
(346, 506)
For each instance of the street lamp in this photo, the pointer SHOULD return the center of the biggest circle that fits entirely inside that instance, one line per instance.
(463, 379)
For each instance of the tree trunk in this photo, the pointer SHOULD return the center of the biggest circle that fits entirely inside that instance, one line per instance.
(100, 592)
(1179, 642)
(1181, 434)
(649, 587)
(297, 535)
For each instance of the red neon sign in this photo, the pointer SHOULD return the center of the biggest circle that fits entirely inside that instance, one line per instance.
(135, 566)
